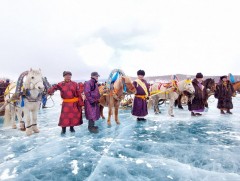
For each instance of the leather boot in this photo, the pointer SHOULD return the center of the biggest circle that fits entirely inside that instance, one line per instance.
(63, 131)
(72, 129)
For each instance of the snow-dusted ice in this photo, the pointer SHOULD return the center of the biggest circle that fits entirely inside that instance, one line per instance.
(163, 148)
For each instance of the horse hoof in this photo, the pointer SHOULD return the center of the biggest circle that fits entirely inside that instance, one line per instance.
(172, 115)
(14, 127)
(109, 123)
(103, 117)
(36, 131)
(118, 122)
(22, 129)
(29, 131)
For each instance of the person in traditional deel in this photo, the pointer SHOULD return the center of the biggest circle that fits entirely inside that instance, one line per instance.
(224, 92)
(91, 103)
(140, 100)
(71, 114)
(3, 86)
(196, 106)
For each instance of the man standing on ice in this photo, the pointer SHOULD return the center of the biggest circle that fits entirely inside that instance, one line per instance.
(140, 100)
(91, 104)
(224, 92)
(71, 114)
(196, 106)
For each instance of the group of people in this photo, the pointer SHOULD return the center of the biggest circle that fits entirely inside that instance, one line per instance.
(77, 95)
(224, 93)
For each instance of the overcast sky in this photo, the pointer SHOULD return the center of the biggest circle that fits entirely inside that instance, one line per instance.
(161, 37)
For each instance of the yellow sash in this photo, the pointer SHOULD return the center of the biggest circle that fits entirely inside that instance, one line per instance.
(143, 85)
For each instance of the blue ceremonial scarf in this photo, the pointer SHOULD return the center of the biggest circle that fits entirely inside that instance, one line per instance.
(115, 77)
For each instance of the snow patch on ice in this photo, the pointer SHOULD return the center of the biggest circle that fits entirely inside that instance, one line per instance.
(74, 166)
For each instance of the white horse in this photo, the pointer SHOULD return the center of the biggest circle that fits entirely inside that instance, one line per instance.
(170, 92)
(29, 102)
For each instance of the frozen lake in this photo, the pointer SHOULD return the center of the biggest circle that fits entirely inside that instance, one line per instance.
(163, 148)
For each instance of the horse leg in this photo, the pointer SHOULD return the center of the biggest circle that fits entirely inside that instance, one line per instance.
(170, 109)
(116, 115)
(173, 96)
(28, 124)
(109, 115)
(34, 121)
(13, 117)
(7, 116)
(179, 100)
(155, 106)
(101, 112)
(20, 119)
(206, 104)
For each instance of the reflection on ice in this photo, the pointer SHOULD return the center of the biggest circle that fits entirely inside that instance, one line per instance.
(163, 148)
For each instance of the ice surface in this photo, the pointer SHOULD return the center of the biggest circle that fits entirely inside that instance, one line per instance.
(163, 148)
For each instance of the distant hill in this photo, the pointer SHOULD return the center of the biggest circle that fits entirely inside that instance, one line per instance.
(181, 77)
(168, 77)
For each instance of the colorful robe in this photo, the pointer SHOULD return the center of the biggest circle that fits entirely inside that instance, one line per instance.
(91, 104)
(140, 104)
(71, 114)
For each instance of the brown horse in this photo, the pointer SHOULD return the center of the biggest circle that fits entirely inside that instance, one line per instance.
(112, 98)
(236, 86)
(209, 84)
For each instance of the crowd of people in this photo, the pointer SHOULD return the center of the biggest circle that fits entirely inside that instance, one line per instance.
(77, 95)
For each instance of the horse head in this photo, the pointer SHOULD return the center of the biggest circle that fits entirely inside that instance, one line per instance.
(34, 80)
(210, 84)
(129, 85)
(186, 85)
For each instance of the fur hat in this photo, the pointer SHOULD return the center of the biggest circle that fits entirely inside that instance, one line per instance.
(141, 72)
(95, 74)
(199, 75)
(222, 77)
(67, 73)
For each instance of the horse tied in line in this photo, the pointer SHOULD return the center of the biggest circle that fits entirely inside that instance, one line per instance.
(24, 99)
(171, 93)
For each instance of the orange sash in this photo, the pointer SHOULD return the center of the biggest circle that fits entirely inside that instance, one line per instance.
(141, 96)
(75, 99)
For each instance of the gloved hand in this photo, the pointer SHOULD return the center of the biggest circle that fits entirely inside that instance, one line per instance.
(97, 101)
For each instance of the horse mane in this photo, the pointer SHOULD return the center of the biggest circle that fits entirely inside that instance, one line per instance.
(118, 83)
(20, 82)
(127, 79)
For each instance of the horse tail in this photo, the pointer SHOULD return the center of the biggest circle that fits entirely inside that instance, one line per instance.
(7, 116)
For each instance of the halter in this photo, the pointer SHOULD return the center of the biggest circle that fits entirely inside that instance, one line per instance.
(28, 93)
(34, 84)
